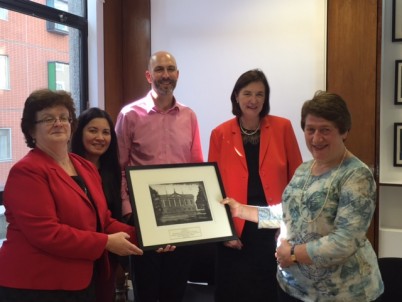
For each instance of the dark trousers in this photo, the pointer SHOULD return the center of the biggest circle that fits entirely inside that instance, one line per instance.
(161, 277)
(8, 294)
(248, 274)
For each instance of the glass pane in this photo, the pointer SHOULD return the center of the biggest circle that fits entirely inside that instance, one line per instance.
(5, 144)
(3, 14)
(4, 73)
(29, 47)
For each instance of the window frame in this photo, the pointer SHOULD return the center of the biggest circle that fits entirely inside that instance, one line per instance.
(5, 14)
(6, 72)
(9, 144)
(55, 27)
(58, 16)
(52, 70)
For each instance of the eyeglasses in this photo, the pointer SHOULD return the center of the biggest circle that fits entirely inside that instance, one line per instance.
(52, 120)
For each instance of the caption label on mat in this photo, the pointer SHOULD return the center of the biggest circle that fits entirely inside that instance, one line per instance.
(185, 233)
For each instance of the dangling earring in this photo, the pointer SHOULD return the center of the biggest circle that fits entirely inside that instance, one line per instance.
(34, 141)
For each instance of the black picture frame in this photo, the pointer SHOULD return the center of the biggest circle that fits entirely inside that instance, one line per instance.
(396, 20)
(397, 144)
(178, 204)
(398, 83)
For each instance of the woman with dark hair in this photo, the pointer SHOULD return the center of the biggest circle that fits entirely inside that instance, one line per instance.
(60, 230)
(95, 140)
(257, 154)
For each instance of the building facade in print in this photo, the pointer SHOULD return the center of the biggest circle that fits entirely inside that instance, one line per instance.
(191, 205)
(178, 203)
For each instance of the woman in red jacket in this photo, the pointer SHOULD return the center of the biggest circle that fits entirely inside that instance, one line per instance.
(95, 140)
(257, 154)
(60, 229)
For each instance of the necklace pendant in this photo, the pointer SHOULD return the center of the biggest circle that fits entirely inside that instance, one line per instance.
(248, 132)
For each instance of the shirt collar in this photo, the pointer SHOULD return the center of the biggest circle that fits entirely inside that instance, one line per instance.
(153, 108)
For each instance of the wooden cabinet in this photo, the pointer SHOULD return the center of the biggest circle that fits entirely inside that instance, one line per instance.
(354, 72)
(127, 47)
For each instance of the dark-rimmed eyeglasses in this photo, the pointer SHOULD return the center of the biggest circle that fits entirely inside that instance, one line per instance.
(52, 120)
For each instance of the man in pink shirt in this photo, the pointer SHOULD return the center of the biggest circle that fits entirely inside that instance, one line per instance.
(158, 130)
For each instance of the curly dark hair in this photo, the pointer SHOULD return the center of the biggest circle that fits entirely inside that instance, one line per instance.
(251, 76)
(329, 106)
(41, 99)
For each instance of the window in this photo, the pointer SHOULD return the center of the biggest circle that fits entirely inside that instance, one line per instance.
(4, 72)
(3, 225)
(58, 76)
(31, 57)
(57, 28)
(3, 14)
(5, 144)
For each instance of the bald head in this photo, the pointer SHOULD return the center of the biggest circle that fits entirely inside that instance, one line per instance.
(161, 56)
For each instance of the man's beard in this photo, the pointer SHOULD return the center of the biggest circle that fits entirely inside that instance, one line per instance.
(162, 89)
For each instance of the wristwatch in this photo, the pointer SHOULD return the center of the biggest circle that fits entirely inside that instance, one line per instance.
(292, 253)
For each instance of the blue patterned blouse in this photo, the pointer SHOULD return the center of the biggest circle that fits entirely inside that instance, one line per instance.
(331, 216)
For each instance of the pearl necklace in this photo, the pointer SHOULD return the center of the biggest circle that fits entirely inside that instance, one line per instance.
(244, 131)
(329, 189)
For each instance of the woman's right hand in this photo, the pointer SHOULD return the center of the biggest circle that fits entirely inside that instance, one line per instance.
(118, 243)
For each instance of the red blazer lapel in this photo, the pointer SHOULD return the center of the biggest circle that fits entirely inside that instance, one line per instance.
(264, 143)
(238, 143)
(71, 183)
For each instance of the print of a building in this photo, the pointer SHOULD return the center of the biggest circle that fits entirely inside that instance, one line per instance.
(178, 208)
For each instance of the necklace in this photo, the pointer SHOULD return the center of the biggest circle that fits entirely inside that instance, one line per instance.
(244, 131)
(329, 189)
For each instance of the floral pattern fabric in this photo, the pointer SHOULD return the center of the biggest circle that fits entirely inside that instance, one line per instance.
(331, 214)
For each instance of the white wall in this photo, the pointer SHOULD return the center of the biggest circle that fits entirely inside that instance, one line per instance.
(390, 205)
(390, 113)
(96, 64)
(215, 41)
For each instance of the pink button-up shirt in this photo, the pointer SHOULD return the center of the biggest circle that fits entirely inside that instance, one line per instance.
(147, 136)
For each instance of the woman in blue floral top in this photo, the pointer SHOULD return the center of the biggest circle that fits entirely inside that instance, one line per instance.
(323, 253)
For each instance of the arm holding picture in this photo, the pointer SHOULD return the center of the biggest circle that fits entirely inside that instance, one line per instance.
(269, 217)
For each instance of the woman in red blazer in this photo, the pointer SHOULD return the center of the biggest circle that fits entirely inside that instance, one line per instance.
(257, 155)
(60, 229)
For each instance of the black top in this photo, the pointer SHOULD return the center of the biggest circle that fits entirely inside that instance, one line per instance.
(78, 179)
(252, 236)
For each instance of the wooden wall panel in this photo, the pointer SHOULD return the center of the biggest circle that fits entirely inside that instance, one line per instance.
(136, 48)
(353, 71)
(113, 59)
(352, 68)
(127, 42)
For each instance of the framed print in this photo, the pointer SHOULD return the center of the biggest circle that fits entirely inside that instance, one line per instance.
(398, 144)
(178, 204)
(396, 20)
(398, 82)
